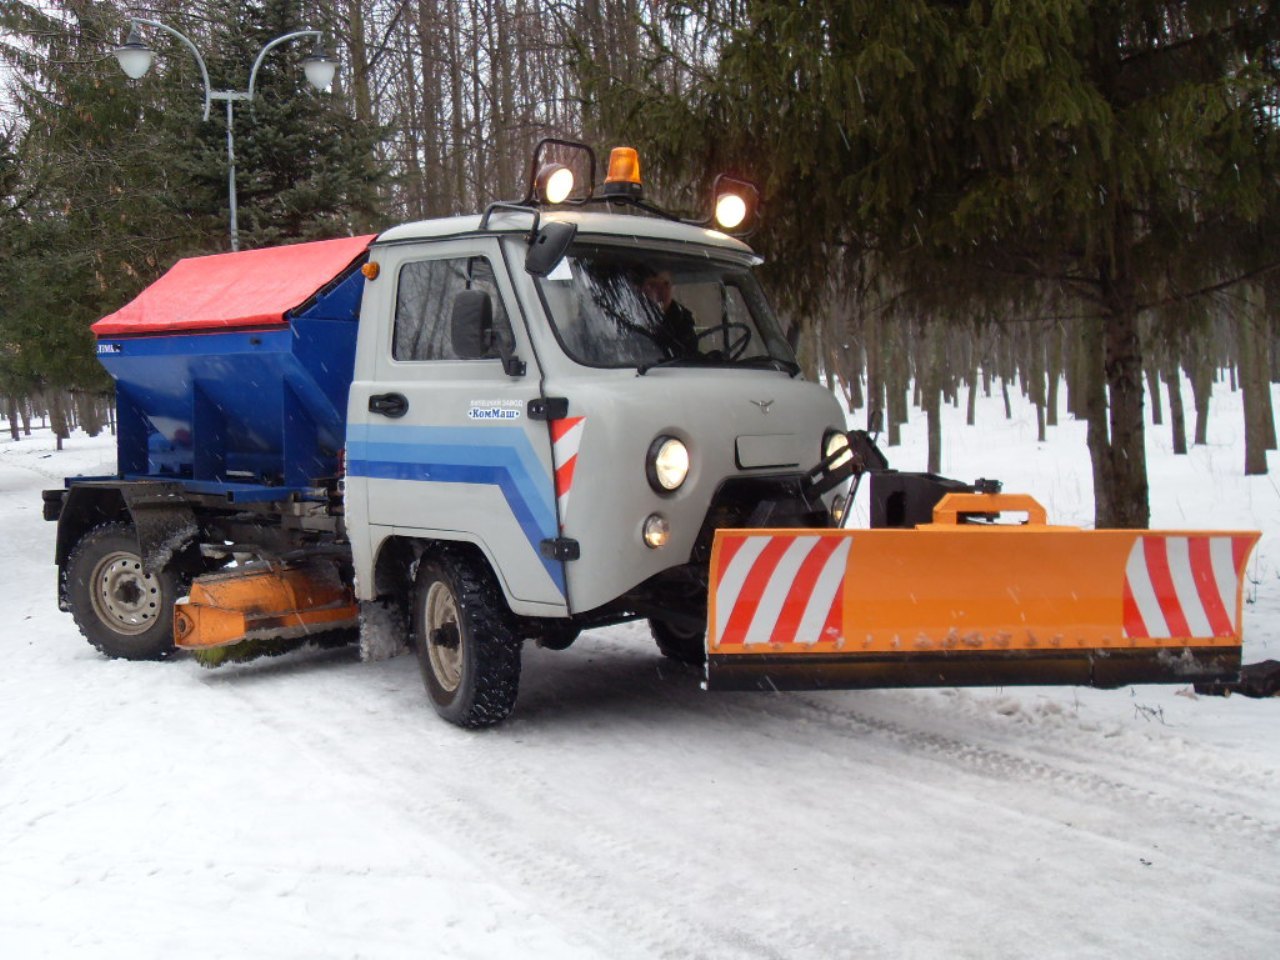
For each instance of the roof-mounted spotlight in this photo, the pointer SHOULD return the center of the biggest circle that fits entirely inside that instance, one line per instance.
(554, 183)
(734, 204)
(731, 210)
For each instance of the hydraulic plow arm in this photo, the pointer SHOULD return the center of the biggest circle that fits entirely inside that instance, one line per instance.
(954, 603)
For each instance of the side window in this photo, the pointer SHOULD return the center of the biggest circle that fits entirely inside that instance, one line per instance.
(424, 307)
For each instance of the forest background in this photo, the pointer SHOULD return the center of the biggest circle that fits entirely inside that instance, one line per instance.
(957, 196)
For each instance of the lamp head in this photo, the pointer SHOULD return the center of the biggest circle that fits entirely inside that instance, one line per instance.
(133, 55)
(319, 67)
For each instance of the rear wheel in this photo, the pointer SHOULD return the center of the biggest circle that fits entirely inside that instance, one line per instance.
(467, 648)
(675, 643)
(120, 608)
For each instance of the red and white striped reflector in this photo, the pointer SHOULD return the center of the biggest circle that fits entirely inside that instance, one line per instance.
(783, 589)
(1183, 587)
(566, 437)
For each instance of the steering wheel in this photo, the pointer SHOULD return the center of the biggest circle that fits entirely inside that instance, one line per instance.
(736, 348)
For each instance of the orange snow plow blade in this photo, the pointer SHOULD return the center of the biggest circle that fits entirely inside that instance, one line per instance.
(262, 603)
(955, 603)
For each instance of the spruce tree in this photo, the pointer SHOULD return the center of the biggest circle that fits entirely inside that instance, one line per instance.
(93, 213)
(305, 168)
(1110, 157)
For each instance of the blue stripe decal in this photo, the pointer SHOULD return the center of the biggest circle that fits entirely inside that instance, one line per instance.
(498, 456)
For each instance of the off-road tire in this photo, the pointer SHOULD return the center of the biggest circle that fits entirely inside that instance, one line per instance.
(457, 601)
(681, 645)
(125, 613)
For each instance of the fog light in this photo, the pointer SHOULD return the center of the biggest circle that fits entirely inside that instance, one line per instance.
(838, 507)
(656, 531)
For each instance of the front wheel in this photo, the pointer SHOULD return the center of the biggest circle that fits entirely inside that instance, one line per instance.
(120, 608)
(467, 648)
(675, 643)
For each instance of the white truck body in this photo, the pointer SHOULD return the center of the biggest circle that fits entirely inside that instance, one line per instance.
(467, 462)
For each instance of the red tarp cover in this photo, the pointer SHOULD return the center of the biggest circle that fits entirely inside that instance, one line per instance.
(249, 288)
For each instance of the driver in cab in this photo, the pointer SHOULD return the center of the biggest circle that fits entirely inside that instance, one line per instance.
(676, 333)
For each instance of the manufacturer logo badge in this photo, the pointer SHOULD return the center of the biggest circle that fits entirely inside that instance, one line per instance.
(764, 405)
(494, 410)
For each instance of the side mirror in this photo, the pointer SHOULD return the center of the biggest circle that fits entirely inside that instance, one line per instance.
(549, 246)
(471, 326)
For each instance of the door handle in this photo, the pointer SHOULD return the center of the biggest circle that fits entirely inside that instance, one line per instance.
(393, 405)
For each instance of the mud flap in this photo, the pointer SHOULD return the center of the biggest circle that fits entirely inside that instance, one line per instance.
(967, 604)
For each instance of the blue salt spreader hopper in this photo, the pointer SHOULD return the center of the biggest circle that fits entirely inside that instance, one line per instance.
(232, 370)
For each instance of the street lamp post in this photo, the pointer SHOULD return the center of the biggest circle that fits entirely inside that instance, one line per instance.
(135, 59)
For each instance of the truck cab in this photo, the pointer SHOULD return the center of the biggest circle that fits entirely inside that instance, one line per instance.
(584, 432)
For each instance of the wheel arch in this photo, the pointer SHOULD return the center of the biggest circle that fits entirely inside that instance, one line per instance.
(165, 522)
(84, 508)
(396, 556)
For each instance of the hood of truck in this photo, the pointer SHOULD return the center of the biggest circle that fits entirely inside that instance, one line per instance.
(735, 423)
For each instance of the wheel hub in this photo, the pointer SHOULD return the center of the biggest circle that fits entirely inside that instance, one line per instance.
(444, 649)
(125, 598)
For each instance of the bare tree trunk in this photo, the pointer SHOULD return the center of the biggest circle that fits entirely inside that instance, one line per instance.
(1177, 420)
(931, 377)
(1125, 466)
(1153, 391)
(1201, 391)
(897, 385)
(58, 417)
(88, 413)
(1201, 372)
(11, 408)
(1093, 396)
(875, 375)
(971, 402)
(1257, 407)
(1055, 374)
(1035, 384)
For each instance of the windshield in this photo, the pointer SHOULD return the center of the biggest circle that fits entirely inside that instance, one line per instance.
(616, 307)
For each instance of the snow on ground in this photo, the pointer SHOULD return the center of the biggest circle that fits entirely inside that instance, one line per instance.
(313, 806)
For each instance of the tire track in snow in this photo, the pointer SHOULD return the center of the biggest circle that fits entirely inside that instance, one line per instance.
(1093, 749)
(1002, 765)
(1076, 743)
(595, 873)
(744, 711)
(517, 861)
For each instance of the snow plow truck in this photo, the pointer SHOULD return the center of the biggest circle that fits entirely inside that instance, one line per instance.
(570, 411)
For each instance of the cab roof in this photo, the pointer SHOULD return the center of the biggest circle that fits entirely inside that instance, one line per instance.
(590, 223)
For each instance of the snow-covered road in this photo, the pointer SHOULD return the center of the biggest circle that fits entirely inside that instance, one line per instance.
(314, 806)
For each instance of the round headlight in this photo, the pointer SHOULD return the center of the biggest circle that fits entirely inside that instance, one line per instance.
(667, 464)
(832, 444)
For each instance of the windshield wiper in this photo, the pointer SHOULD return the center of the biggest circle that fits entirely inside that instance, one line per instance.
(777, 363)
(786, 366)
(644, 368)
